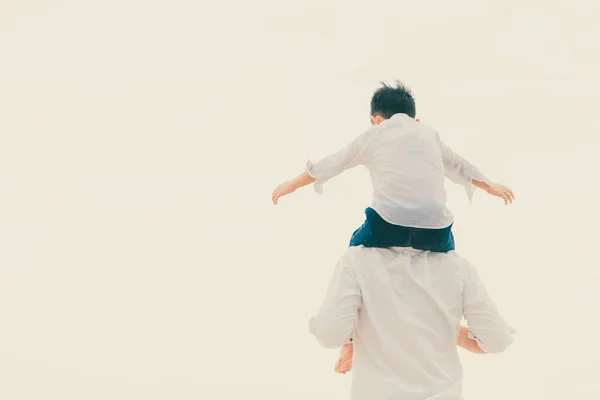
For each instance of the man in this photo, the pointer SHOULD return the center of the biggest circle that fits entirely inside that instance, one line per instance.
(403, 309)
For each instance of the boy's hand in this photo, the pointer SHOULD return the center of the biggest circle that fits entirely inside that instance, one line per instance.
(504, 192)
(283, 190)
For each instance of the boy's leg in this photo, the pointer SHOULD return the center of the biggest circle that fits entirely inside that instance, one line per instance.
(376, 232)
(362, 236)
(436, 240)
(450, 245)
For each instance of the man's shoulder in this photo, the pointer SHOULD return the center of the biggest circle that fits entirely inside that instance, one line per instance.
(359, 257)
(353, 255)
(368, 252)
(457, 262)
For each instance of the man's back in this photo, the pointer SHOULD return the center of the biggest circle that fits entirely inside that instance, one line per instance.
(404, 309)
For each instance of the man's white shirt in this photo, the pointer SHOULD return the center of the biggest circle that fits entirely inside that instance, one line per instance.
(403, 308)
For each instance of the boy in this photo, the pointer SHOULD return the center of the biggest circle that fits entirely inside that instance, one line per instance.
(407, 163)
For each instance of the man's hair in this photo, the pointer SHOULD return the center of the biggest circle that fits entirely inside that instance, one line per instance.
(388, 100)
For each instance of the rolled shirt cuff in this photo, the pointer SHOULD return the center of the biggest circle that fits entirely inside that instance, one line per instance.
(310, 170)
(467, 183)
(470, 188)
(501, 342)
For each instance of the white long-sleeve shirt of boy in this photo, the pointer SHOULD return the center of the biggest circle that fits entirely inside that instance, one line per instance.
(407, 163)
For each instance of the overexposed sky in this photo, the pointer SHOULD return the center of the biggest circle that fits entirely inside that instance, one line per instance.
(140, 256)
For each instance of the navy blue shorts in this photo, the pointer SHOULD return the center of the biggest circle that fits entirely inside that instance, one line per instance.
(376, 232)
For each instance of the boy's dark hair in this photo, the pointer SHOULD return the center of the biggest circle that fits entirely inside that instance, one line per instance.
(388, 100)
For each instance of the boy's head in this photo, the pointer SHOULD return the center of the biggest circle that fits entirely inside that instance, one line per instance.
(389, 100)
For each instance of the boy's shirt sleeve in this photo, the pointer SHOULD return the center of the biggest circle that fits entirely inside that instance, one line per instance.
(459, 170)
(352, 155)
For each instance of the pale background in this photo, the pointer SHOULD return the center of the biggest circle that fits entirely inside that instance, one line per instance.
(140, 257)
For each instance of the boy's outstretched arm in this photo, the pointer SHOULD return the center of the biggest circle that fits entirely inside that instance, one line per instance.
(496, 189)
(290, 186)
(320, 172)
(461, 171)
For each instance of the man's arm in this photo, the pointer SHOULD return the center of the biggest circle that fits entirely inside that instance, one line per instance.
(334, 324)
(485, 324)
(467, 343)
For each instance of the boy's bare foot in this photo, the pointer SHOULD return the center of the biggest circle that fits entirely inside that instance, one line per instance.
(344, 364)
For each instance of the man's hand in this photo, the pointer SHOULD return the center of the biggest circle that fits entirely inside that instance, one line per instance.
(504, 192)
(283, 190)
(344, 364)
